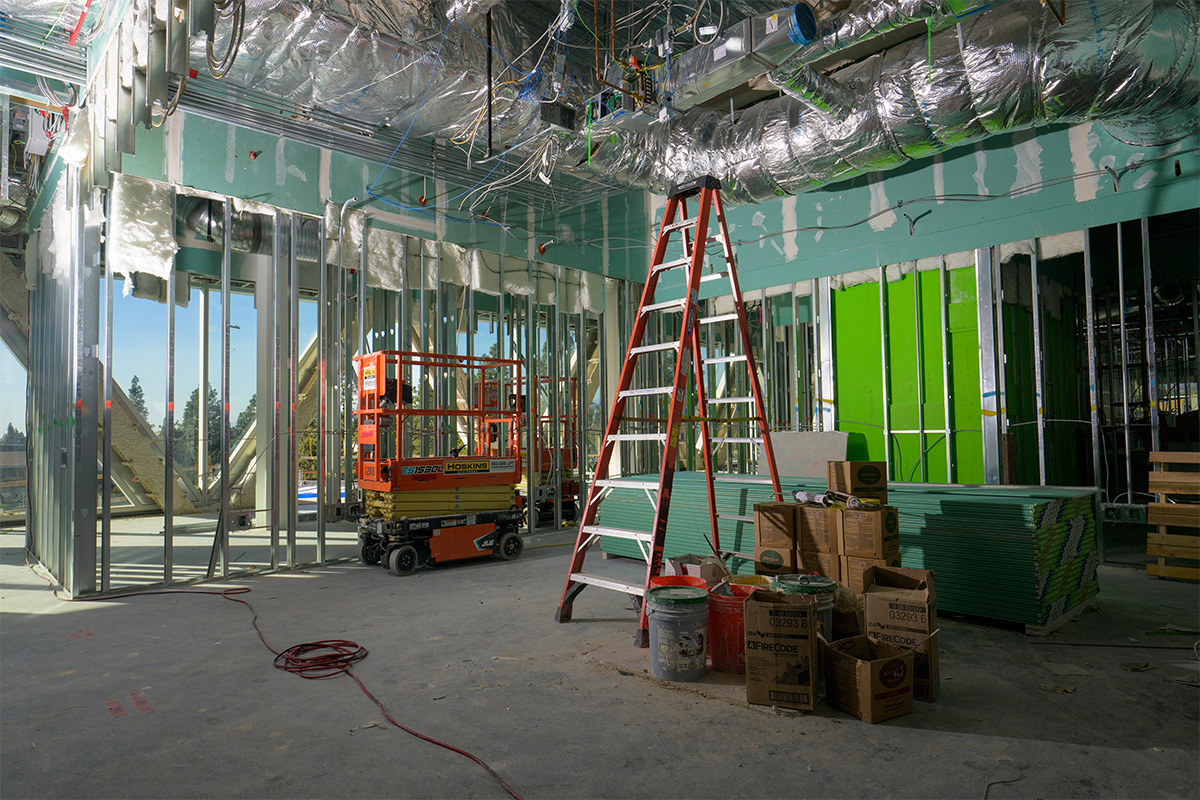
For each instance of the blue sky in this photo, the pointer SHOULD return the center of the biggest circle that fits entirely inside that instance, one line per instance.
(12, 391)
(140, 348)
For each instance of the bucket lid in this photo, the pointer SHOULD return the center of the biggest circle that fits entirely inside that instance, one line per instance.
(803, 584)
(677, 595)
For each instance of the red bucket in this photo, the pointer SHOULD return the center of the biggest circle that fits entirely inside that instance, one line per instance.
(727, 629)
(678, 580)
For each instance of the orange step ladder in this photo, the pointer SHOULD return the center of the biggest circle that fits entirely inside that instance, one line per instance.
(688, 363)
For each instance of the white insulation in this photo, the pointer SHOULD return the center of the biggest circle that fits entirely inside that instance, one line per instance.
(141, 236)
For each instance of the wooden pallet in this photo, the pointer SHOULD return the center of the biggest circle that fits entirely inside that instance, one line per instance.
(1176, 543)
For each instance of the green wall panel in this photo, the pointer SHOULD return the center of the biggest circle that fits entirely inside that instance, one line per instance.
(251, 165)
(858, 369)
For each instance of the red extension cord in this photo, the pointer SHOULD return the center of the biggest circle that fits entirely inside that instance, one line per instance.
(313, 660)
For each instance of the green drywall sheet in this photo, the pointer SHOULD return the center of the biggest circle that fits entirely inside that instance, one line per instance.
(606, 236)
(1066, 161)
(254, 166)
(149, 159)
(859, 374)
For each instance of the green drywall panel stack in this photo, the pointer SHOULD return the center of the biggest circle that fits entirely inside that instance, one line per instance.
(1019, 555)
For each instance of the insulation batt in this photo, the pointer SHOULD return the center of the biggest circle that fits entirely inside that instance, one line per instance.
(141, 235)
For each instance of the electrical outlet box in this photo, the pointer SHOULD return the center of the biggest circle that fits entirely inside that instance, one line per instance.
(559, 116)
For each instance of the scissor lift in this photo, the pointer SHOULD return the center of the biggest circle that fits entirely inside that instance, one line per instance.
(432, 493)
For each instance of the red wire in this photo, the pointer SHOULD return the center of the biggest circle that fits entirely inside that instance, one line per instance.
(78, 25)
(314, 660)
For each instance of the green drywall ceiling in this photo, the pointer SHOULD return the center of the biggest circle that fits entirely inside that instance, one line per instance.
(1051, 157)
(859, 366)
(605, 237)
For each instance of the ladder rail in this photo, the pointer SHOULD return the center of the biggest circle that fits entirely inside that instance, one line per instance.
(604, 457)
(706, 443)
(683, 367)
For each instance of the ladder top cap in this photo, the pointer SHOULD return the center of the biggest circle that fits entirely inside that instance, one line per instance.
(694, 186)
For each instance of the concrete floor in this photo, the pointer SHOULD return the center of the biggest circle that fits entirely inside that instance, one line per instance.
(470, 654)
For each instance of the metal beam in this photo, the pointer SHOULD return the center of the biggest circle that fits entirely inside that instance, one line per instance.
(1093, 387)
(1124, 362)
(827, 401)
(1039, 384)
(169, 425)
(1150, 352)
(226, 433)
(988, 385)
(948, 390)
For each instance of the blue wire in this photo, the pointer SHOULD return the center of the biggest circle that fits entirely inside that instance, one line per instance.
(417, 113)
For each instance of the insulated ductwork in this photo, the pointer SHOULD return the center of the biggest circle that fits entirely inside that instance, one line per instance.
(1131, 65)
(252, 232)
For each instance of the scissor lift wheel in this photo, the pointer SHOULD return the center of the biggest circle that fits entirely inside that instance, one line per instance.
(367, 554)
(403, 560)
(510, 547)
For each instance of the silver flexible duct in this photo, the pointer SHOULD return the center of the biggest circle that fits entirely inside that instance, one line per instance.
(251, 232)
(1131, 65)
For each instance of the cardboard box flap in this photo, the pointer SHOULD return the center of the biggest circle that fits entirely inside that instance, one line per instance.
(864, 648)
(883, 579)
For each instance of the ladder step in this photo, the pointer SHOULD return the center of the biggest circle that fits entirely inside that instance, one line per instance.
(690, 222)
(617, 483)
(653, 348)
(737, 440)
(718, 318)
(619, 533)
(669, 265)
(746, 479)
(647, 391)
(713, 276)
(712, 401)
(736, 517)
(638, 437)
(606, 583)
(723, 360)
(669, 305)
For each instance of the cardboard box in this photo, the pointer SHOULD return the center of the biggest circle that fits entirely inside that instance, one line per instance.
(900, 608)
(852, 477)
(870, 680)
(869, 532)
(781, 650)
(853, 569)
(821, 563)
(775, 525)
(816, 529)
(774, 561)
